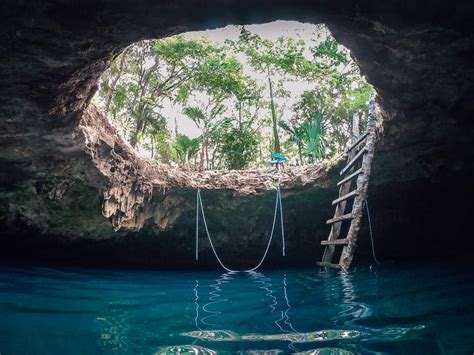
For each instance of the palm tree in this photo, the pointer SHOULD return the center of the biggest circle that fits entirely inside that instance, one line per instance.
(314, 137)
(186, 148)
(207, 123)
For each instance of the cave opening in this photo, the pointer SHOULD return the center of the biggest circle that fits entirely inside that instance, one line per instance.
(227, 98)
(75, 192)
(52, 137)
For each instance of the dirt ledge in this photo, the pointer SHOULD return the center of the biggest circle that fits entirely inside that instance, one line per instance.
(133, 184)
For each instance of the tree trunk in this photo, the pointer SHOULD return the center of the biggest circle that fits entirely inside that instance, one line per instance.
(213, 159)
(240, 115)
(274, 118)
(175, 127)
(361, 118)
(300, 153)
(202, 153)
(207, 155)
(152, 144)
(219, 164)
(138, 129)
(355, 125)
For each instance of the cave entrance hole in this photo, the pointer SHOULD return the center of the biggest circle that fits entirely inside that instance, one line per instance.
(227, 98)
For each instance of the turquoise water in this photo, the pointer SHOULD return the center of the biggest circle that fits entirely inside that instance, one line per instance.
(405, 309)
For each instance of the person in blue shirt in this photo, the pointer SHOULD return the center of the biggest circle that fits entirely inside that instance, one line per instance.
(278, 159)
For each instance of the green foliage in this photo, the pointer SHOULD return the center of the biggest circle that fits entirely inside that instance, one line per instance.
(186, 148)
(206, 121)
(296, 132)
(149, 72)
(321, 125)
(239, 115)
(314, 136)
(283, 56)
(329, 50)
(322, 121)
(239, 147)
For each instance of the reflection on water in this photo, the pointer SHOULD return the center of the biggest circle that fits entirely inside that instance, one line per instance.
(264, 283)
(214, 298)
(326, 351)
(397, 310)
(323, 335)
(185, 350)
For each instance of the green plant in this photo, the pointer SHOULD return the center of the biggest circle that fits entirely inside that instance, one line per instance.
(239, 147)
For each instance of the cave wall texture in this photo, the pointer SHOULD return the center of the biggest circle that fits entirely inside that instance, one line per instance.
(72, 190)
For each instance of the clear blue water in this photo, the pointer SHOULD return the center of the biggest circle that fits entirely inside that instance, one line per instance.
(403, 309)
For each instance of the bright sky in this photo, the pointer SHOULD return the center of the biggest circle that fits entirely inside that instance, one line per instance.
(308, 32)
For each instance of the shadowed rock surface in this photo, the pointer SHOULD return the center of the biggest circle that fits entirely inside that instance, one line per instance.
(71, 189)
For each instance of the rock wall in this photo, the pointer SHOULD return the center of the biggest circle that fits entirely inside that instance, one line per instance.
(104, 201)
(71, 189)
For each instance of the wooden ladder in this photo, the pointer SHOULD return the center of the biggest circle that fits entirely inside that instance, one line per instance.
(359, 162)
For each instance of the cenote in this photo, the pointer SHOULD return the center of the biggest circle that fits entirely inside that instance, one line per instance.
(413, 308)
(149, 148)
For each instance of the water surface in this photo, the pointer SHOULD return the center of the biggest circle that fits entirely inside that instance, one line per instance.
(403, 309)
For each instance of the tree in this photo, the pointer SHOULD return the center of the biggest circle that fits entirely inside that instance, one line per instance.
(211, 85)
(186, 148)
(204, 118)
(315, 137)
(321, 124)
(112, 76)
(221, 82)
(154, 71)
(239, 147)
(270, 58)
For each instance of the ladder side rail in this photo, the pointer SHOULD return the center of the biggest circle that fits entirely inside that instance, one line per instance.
(357, 210)
(340, 210)
(362, 175)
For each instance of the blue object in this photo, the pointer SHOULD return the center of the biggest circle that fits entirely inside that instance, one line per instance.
(278, 158)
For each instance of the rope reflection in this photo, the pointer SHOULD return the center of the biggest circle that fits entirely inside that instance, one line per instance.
(215, 297)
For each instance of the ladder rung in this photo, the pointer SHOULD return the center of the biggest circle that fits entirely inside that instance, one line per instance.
(334, 266)
(350, 177)
(340, 218)
(345, 197)
(352, 162)
(334, 242)
(357, 142)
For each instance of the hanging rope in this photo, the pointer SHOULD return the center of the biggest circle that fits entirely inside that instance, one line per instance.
(199, 205)
(208, 235)
(281, 221)
(370, 231)
(273, 229)
(197, 224)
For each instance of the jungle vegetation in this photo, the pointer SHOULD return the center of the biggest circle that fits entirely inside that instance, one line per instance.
(236, 94)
